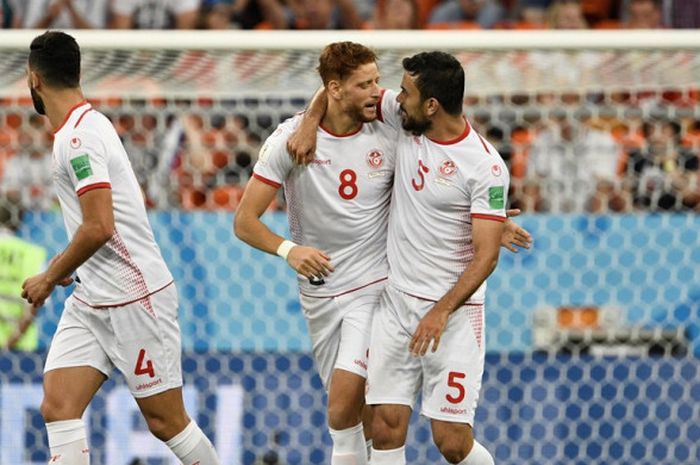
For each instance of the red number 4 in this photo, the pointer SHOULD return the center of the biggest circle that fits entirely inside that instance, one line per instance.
(142, 369)
(453, 381)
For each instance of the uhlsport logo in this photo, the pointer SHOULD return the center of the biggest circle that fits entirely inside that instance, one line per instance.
(375, 159)
(447, 168)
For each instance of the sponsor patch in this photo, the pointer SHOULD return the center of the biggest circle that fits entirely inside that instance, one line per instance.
(81, 166)
(496, 200)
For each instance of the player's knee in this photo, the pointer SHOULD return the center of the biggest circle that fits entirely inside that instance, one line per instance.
(164, 428)
(344, 415)
(55, 408)
(454, 448)
(386, 432)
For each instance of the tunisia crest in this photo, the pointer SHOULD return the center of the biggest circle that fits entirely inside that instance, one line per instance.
(447, 168)
(75, 143)
(375, 159)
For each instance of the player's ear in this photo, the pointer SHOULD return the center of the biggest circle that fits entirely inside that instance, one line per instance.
(334, 89)
(34, 80)
(431, 106)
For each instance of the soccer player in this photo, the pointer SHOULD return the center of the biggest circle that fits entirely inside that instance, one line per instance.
(338, 207)
(447, 218)
(123, 312)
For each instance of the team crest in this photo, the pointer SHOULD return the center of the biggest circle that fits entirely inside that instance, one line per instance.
(496, 170)
(375, 159)
(447, 168)
(75, 143)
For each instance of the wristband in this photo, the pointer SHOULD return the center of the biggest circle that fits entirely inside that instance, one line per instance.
(284, 248)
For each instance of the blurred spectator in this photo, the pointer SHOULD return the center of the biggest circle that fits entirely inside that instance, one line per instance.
(395, 14)
(19, 259)
(566, 14)
(682, 14)
(572, 168)
(324, 14)
(154, 14)
(531, 14)
(27, 175)
(63, 14)
(245, 14)
(665, 170)
(485, 12)
(8, 16)
(642, 14)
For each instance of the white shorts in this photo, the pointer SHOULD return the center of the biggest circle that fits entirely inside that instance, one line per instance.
(142, 340)
(340, 328)
(450, 378)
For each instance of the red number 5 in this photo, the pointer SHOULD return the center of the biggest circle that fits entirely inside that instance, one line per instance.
(144, 370)
(453, 382)
(348, 181)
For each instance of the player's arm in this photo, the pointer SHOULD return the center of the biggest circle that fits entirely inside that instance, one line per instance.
(301, 144)
(94, 232)
(486, 234)
(258, 195)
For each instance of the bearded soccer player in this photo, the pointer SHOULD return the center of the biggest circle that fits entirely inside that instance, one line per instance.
(123, 312)
(338, 208)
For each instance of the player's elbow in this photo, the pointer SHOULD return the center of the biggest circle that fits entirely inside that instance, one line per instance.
(241, 226)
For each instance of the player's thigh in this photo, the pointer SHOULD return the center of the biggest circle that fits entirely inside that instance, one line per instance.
(358, 310)
(68, 391)
(394, 375)
(164, 412)
(323, 321)
(147, 346)
(390, 425)
(452, 375)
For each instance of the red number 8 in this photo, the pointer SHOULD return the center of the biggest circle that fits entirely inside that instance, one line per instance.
(348, 180)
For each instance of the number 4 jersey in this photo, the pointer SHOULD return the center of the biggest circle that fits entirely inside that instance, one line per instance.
(338, 203)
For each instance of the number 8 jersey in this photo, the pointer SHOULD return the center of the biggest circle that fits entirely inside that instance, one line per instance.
(338, 203)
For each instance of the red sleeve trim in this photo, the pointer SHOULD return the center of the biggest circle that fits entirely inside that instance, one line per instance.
(97, 185)
(379, 106)
(269, 182)
(81, 117)
(483, 216)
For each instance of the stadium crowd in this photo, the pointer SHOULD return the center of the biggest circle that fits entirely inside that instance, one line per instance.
(350, 14)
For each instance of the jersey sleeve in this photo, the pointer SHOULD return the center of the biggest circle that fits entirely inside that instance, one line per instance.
(86, 161)
(489, 190)
(274, 162)
(388, 109)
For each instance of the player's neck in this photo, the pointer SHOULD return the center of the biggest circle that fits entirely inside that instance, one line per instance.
(60, 103)
(447, 127)
(339, 123)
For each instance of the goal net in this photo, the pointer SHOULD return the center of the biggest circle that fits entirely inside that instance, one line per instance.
(593, 336)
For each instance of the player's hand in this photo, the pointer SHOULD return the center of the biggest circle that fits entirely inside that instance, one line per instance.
(429, 330)
(301, 145)
(310, 262)
(515, 236)
(36, 289)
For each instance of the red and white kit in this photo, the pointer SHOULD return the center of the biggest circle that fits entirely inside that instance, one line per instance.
(123, 311)
(439, 187)
(339, 203)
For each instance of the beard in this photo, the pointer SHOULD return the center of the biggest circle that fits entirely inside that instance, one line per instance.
(358, 114)
(416, 126)
(38, 102)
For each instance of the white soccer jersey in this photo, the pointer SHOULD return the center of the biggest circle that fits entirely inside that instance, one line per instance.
(339, 203)
(439, 186)
(87, 154)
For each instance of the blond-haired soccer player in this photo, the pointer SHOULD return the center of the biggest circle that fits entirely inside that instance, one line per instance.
(338, 207)
(123, 312)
